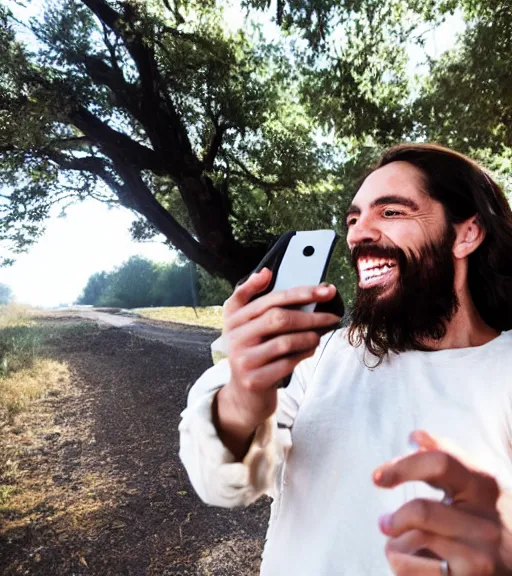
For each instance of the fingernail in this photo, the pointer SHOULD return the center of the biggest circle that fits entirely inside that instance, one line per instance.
(323, 290)
(383, 477)
(385, 523)
(422, 440)
(413, 443)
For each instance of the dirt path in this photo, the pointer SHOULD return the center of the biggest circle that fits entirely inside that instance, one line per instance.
(167, 332)
(108, 494)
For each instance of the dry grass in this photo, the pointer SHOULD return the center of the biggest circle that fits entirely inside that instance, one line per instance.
(15, 315)
(25, 377)
(20, 339)
(210, 316)
(18, 392)
(28, 384)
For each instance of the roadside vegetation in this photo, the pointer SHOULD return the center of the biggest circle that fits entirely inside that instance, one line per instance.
(26, 377)
(139, 283)
(24, 374)
(208, 316)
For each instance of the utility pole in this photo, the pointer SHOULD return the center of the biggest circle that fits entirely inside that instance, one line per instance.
(193, 285)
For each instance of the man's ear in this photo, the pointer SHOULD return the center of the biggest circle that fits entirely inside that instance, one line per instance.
(468, 237)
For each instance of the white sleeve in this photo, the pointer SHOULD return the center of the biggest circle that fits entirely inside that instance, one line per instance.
(215, 475)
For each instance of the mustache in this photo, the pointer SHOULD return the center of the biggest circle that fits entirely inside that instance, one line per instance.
(377, 251)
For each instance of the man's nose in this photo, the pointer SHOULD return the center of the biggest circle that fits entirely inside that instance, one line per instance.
(363, 232)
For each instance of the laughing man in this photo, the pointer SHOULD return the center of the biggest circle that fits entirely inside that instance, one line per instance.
(390, 451)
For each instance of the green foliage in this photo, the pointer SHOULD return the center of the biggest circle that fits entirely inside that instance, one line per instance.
(130, 285)
(223, 140)
(213, 291)
(172, 286)
(467, 99)
(139, 283)
(353, 58)
(6, 491)
(96, 286)
(18, 347)
(152, 105)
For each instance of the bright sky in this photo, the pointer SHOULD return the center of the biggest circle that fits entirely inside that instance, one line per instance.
(89, 239)
(92, 238)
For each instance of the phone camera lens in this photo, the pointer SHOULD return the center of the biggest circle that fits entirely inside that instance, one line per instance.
(308, 251)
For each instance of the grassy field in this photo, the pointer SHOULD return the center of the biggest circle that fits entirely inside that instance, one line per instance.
(26, 376)
(210, 316)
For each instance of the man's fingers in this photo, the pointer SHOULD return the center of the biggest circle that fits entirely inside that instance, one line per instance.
(442, 471)
(297, 296)
(286, 345)
(261, 379)
(405, 556)
(426, 441)
(279, 321)
(437, 518)
(405, 565)
(242, 294)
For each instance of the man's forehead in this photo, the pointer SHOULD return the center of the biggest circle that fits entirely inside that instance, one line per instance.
(396, 178)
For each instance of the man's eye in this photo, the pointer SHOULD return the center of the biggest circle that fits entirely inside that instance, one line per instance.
(390, 213)
(351, 221)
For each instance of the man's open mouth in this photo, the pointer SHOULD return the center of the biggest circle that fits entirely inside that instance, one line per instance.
(373, 271)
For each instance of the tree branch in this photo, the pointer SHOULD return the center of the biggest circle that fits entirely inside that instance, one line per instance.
(72, 142)
(266, 186)
(126, 94)
(133, 193)
(115, 144)
(279, 12)
(163, 125)
(87, 163)
(112, 50)
(213, 150)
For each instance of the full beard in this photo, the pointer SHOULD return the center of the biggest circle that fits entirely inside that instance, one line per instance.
(413, 311)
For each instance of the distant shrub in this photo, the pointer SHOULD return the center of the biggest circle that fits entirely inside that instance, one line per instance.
(5, 294)
(213, 291)
(139, 283)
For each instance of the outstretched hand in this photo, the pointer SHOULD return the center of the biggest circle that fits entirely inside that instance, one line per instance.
(464, 531)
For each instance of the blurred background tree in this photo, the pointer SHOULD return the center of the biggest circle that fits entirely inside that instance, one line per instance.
(139, 283)
(5, 294)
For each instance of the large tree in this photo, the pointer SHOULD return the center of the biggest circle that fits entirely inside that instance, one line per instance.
(207, 135)
(156, 107)
(211, 136)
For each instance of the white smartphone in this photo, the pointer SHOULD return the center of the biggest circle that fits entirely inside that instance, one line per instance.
(300, 258)
(305, 261)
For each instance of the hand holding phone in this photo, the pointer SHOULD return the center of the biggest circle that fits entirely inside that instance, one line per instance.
(268, 329)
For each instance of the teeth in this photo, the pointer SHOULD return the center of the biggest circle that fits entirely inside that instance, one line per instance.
(366, 264)
(367, 275)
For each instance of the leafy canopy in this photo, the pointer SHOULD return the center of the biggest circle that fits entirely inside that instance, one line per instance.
(222, 139)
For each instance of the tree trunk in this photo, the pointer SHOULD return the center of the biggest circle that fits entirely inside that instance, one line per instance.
(208, 212)
(211, 243)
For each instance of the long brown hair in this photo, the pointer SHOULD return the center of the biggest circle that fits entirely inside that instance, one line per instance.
(465, 190)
